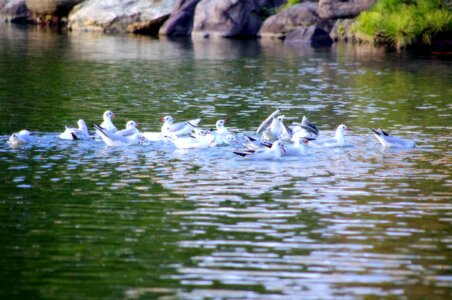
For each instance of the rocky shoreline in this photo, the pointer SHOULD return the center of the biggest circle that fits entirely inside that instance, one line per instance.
(313, 23)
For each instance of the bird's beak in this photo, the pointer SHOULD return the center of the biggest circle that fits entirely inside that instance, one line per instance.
(113, 115)
(161, 120)
(226, 120)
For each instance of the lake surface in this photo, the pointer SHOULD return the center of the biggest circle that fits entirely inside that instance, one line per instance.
(79, 220)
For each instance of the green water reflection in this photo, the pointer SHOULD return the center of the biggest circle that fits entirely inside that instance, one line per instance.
(81, 221)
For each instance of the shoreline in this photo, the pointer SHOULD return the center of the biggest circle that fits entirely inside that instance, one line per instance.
(315, 24)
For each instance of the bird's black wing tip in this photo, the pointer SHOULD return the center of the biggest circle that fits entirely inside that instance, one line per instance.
(100, 128)
(310, 129)
(250, 138)
(288, 129)
(74, 136)
(376, 132)
(243, 154)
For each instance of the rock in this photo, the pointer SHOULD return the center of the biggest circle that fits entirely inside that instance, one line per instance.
(334, 9)
(121, 16)
(312, 35)
(150, 27)
(230, 18)
(283, 23)
(180, 22)
(13, 11)
(58, 8)
(342, 31)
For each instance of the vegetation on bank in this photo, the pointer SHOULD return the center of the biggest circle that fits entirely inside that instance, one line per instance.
(400, 23)
(289, 4)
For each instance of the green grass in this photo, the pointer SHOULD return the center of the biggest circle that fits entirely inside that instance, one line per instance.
(400, 23)
(289, 4)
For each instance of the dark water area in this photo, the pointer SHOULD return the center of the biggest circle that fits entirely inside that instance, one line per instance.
(80, 220)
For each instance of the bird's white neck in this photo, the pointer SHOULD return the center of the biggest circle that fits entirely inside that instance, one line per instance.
(165, 128)
(82, 127)
(276, 124)
(107, 120)
(340, 136)
(222, 130)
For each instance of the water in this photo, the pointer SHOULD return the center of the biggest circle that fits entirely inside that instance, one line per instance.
(80, 220)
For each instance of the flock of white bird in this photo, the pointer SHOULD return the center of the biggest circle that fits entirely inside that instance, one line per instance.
(274, 138)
